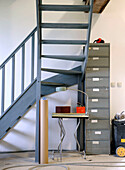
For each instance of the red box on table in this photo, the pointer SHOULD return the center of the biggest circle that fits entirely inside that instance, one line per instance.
(80, 109)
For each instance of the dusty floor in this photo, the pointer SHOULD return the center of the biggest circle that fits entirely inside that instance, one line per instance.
(26, 161)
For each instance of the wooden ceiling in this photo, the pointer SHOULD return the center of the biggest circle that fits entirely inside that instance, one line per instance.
(99, 5)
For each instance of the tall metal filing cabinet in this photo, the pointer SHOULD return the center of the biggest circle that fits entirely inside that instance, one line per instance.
(98, 89)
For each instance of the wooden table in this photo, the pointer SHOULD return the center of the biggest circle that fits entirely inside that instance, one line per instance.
(60, 117)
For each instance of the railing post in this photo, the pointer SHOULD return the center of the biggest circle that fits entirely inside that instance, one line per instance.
(3, 90)
(32, 58)
(13, 79)
(23, 68)
(38, 86)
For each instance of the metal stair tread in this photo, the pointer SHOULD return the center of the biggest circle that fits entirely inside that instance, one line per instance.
(65, 25)
(51, 83)
(70, 72)
(81, 8)
(68, 42)
(65, 57)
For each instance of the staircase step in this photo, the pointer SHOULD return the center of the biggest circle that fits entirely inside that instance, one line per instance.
(69, 72)
(51, 83)
(65, 57)
(68, 42)
(64, 25)
(74, 8)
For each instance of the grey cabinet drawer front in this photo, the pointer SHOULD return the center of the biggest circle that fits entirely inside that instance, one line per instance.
(98, 92)
(98, 103)
(97, 124)
(95, 151)
(99, 113)
(97, 144)
(98, 134)
(98, 62)
(97, 72)
(97, 82)
(99, 51)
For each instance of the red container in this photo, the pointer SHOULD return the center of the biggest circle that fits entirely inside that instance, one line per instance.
(80, 110)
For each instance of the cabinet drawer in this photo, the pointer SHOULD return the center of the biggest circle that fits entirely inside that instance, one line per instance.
(97, 124)
(97, 82)
(98, 147)
(99, 113)
(99, 51)
(97, 72)
(98, 103)
(98, 134)
(98, 62)
(97, 92)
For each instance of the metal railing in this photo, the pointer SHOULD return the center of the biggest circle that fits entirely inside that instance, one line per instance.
(12, 57)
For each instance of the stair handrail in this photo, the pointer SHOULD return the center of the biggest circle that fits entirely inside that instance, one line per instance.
(21, 44)
(86, 50)
(12, 56)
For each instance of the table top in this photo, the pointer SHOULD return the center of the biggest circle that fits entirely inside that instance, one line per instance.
(70, 115)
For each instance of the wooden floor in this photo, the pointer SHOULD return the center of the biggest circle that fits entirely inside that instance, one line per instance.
(26, 161)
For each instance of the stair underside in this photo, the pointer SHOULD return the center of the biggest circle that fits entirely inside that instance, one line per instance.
(74, 8)
(65, 57)
(27, 99)
(64, 25)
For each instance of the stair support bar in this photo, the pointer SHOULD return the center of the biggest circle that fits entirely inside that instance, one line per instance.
(38, 86)
(86, 52)
(3, 90)
(32, 57)
(23, 68)
(13, 79)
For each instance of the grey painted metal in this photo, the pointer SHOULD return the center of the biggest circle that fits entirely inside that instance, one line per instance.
(97, 124)
(88, 38)
(51, 84)
(98, 62)
(62, 71)
(99, 114)
(65, 57)
(23, 68)
(98, 135)
(17, 49)
(99, 83)
(38, 86)
(74, 8)
(65, 25)
(68, 42)
(13, 79)
(32, 57)
(3, 90)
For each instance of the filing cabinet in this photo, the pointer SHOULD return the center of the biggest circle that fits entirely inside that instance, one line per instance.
(97, 81)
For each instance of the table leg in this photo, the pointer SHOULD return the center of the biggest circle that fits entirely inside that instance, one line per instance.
(62, 135)
(75, 135)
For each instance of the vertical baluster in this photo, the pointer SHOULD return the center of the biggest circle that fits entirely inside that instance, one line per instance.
(13, 79)
(23, 68)
(32, 58)
(3, 90)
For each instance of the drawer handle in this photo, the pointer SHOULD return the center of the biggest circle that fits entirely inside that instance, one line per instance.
(95, 142)
(95, 79)
(95, 58)
(95, 48)
(96, 89)
(95, 100)
(95, 69)
(94, 121)
(94, 110)
(98, 132)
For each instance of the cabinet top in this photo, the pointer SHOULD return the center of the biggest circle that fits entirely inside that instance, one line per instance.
(99, 44)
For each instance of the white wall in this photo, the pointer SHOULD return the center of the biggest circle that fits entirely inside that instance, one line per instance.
(17, 19)
(110, 25)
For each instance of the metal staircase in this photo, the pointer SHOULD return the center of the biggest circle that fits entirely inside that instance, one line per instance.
(38, 88)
